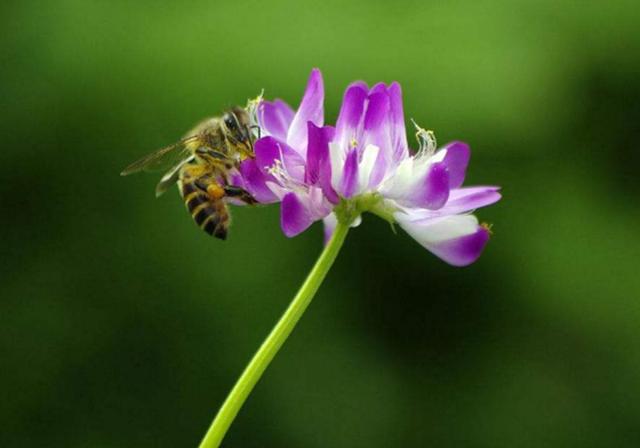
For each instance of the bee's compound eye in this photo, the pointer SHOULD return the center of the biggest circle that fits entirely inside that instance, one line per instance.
(230, 122)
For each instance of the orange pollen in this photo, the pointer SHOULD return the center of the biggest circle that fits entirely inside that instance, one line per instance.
(215, 191)
(488, 227)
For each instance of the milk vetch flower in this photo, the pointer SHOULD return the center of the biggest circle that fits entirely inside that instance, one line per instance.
(335, 174)
(279, 171)
(364, 164)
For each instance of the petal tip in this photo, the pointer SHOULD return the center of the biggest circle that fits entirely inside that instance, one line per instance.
(465, 250)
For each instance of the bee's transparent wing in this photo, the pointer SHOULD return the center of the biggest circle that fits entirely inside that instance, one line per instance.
(162, 159)
(170, 177)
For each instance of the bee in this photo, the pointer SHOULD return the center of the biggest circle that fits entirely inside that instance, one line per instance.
(201, 163)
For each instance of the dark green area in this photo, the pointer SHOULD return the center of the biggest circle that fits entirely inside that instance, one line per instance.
(122, 324)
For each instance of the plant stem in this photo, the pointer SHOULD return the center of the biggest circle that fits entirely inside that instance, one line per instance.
(274, 341)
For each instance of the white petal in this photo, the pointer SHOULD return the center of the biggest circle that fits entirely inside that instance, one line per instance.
(399, 183)
(337, 157)
(330, 222)
(435, 230)
(369, 157)
(277, 189)
(438, 156)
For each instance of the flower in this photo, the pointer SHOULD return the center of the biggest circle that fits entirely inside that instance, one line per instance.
(364, 164)
(279, 171)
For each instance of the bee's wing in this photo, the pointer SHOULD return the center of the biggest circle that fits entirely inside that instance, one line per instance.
(170, 177)
(163, 158)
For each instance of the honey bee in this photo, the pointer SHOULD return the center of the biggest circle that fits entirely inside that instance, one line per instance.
(201, 164)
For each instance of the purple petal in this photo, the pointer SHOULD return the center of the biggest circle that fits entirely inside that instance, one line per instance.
(398, 132)
(318, 168)
(381, 125)
(457, 159)
(317, 151)
(463, 200)
(350, 174)
(268, 150)
(377, 110)
(311, 109)
(433, 191)
(275, 118)
(255, 182)
(294, 216)
(236, 179)
(376, 121)
(351, 113)
(378, 88)
(293, 162)
(457, 239)
(464, 250)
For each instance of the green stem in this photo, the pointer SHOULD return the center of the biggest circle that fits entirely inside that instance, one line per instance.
(274, 341)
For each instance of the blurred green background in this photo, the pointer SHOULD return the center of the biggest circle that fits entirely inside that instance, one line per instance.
(122, 324)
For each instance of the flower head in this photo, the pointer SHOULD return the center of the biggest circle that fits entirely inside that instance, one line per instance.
(279, 172)
(364, 164)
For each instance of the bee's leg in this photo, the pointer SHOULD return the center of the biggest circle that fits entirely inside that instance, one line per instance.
(240, 193)
(212, 153)
(258, 128)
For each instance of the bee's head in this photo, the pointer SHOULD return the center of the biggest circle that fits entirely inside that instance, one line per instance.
(236, 122)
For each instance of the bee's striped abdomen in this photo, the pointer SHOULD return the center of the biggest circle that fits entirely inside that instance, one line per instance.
(211, 215)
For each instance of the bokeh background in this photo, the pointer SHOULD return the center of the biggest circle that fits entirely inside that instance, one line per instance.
(121, 324)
